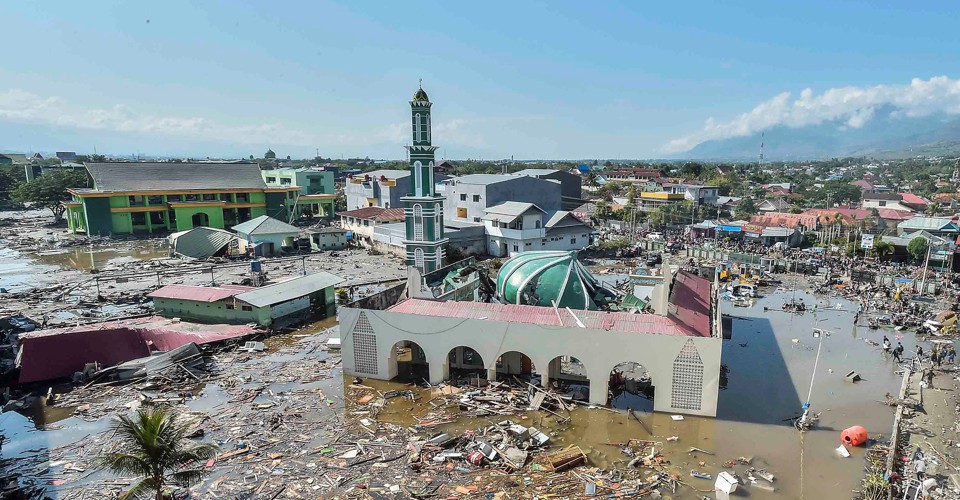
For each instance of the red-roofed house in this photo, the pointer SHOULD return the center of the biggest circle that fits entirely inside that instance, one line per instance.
(864, 185)
(362, 221)
(913, 201)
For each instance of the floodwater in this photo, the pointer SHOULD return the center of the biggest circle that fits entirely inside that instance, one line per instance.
(21, 271)
(769, 376)
(768, 381)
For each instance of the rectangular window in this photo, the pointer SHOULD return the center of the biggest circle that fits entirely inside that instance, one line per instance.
(573, 241)
(271, 180)
(285, 181)
(191, 197)
(461, 212)
(156, 218)
(476, 198)
(209, 197)
(476, 219)
(243, 198)
(135, 201)
(138, 218)
(246, 308)
(155, 200)
(225, 197)
(516, 248)
(463, 197)
(527, 244)
(883, 203)
(229, 306)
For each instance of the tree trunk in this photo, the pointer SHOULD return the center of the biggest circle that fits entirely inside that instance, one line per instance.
(57, 212)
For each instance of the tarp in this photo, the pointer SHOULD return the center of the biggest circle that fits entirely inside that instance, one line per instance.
(142, 367)
(730, 229)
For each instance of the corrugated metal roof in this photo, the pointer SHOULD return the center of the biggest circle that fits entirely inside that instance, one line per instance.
(265, 225)
(513, 208)
(536, 171)
(289, 290)
(546, 316)
(201, 242)
(928, 223)
(197, 293)
(690, 303)
(136, 176)
(374, 213)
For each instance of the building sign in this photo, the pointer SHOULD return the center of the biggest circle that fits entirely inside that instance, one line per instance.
(753, 228)
(730, 229)
(866, 241)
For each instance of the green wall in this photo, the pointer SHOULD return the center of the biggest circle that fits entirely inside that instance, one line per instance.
(185, 216)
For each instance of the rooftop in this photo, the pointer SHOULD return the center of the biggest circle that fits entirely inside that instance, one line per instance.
(137, 176)
(485, 179)
(265, 225)
(512, 208)
(547, 316)
(289, 289)
(536, 171)
(375, 213)
(197, 293)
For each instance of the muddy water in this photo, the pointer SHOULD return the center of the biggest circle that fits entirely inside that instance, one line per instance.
(768, 382)
(20, 271)
(769, 379)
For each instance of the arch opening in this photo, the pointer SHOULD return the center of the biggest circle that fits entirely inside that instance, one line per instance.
(515, 365)
(466, 365)
(630, 387)
(200, 219)
(411, 362)
(568, 375)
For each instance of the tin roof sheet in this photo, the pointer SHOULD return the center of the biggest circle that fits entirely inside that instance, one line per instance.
(197, 293)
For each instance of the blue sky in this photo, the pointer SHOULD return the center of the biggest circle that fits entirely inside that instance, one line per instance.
(529, 79)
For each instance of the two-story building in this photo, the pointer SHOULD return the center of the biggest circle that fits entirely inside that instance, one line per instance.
(317, 195)
(889, 201)
(135, 197)
(379, 188)
(642, 175)
(513, 227)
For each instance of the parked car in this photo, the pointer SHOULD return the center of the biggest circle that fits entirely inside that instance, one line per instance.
(654, 259)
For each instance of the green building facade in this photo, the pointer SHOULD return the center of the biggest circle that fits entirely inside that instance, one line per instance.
(423, 209)
(317, 194)
(133, 198)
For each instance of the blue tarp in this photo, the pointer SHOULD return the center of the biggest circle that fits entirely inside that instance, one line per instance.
(730, 229)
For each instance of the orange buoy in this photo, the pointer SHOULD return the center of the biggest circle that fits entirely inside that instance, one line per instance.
(853, 436)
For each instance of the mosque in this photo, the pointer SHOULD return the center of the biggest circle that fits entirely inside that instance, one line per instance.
(545, 318)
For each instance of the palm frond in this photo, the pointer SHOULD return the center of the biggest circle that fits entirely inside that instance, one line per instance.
(145, 489)
(188, 477)
(124, 463)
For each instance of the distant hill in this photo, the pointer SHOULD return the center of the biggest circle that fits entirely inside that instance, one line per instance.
(884, 136)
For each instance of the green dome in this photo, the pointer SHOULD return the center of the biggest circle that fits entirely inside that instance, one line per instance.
(540, 278)
(421, 95)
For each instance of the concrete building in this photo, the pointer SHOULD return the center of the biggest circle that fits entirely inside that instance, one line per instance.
(889, 201)
(380, 188)
(273, 304)
(363, 221)
(328, 238)
(513, 228)
(128, 198)
(317, 195)
(571, 190)
(643, 175)
(266, 236)
(679, 348)
(469, 196)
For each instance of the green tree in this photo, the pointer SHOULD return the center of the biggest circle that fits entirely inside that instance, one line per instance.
(745, 209)
(50, 190)
(932, 209)
(918, 248)
(155, 449)
(8, 182)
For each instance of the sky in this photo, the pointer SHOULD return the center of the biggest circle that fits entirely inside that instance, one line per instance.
(531, 80)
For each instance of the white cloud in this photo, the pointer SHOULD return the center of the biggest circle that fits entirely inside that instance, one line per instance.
(20, 106)
(852, 107)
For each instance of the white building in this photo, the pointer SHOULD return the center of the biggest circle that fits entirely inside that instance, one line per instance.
(515, 227)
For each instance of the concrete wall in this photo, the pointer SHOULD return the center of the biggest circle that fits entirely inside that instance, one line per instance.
(599, 350)
(543, 193)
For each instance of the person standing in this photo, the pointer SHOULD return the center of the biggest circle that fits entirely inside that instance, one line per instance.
(886, 344)
(921, 468)
(897, 351)
(930, 378)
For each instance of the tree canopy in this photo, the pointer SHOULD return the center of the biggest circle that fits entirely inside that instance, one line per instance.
(918, 247)
(50, 190)
(745, 209)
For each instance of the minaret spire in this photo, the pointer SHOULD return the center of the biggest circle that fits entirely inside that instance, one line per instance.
(423, 209)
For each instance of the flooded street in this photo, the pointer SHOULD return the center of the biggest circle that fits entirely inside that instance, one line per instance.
(770, 360)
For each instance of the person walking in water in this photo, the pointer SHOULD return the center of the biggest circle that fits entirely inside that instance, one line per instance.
(886, 344)
(897, 351)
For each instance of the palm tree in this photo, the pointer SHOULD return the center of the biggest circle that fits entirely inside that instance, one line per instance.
(155, 448)
(932, 209)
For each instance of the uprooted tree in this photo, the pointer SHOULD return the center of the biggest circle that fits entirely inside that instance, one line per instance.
(50, 190)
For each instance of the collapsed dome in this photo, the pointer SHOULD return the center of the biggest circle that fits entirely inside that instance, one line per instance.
(542, 278)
